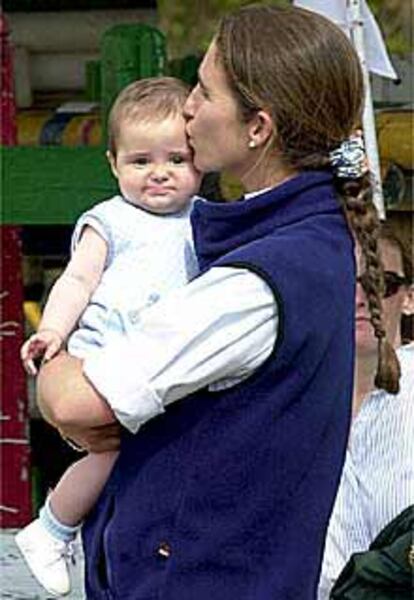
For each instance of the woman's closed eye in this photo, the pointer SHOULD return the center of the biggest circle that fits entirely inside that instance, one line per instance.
(201, 88)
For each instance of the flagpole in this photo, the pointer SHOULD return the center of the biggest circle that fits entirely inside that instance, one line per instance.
(368, 120)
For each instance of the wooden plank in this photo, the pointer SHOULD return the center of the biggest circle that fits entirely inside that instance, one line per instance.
(52, 185)
(15, 499)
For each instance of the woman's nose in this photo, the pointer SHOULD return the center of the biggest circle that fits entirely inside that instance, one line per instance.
(188, 110)
(360, 297)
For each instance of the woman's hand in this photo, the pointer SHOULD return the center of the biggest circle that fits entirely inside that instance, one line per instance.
(93, 439)
(66, 398)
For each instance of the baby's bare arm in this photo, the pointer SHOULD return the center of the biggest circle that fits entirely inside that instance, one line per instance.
(72, 291)
(67, 300)
(44, 344)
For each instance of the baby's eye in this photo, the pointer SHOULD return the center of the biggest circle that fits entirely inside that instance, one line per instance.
(177, 159)
(141, 161)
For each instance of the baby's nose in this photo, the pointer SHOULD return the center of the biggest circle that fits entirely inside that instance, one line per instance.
(160, 174)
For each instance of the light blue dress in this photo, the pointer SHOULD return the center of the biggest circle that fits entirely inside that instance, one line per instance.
(148, 255)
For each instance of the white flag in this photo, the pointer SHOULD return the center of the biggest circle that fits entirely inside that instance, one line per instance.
(375, 52)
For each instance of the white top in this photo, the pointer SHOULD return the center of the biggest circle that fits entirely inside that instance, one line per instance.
(147, 256)
(215, 331)
(378, 477)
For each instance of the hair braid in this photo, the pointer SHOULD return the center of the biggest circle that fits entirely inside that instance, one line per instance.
(362, 217)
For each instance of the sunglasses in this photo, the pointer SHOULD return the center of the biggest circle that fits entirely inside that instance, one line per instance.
(392, 283)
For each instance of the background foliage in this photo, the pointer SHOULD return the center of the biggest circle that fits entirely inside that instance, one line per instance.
(190, 24)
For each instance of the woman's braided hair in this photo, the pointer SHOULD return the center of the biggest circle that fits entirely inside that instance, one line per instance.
(304, 71)
(362, 217)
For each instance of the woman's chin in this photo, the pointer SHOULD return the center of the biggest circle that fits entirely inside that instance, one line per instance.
(203, 163)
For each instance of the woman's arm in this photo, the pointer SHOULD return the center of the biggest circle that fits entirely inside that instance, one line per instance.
(214, 331)
(94, 428)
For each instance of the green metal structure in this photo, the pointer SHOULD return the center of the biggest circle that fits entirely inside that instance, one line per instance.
(54, 184)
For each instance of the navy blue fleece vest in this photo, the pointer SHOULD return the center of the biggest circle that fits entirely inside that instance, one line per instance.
(227, 495)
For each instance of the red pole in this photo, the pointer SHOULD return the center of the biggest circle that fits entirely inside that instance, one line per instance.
(8, 106)
(15, 489)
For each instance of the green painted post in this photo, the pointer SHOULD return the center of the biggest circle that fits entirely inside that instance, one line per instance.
(129, 52)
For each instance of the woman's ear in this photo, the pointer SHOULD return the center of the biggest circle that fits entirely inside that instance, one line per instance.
(112, 163)
(260, 129)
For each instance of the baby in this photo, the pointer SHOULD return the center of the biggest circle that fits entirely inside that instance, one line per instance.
(126, 253)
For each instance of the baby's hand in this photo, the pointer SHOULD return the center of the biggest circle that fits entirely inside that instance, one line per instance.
(45, 344)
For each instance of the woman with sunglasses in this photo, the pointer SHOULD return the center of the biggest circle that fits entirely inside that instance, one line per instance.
(378, 478)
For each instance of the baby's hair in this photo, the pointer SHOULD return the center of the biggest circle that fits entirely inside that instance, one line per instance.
(152, 99)
(303, 70)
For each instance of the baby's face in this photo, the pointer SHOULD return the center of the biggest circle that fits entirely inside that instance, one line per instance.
(154, 165)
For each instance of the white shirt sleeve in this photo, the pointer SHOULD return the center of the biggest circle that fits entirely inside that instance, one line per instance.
(214, 331)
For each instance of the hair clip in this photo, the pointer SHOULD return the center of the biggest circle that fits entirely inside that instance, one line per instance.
(349, 160)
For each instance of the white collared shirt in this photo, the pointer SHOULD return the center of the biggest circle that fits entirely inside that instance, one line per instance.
(215, 331)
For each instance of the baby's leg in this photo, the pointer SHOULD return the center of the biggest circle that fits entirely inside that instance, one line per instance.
(80, 486)
(44, 543)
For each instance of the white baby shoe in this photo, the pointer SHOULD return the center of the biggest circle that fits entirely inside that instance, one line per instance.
(46, 557)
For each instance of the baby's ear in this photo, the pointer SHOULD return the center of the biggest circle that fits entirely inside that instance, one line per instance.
(408, 303)
(112, 163)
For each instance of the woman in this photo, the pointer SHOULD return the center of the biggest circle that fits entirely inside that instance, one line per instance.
(236, 390)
